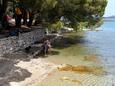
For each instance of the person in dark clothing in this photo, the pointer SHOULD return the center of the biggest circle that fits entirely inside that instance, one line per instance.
(18, 17)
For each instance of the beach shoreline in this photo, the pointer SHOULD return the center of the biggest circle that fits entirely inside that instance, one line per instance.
(42, 70)
(24, 73)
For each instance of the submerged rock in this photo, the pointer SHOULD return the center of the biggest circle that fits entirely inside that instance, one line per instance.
(82, 69)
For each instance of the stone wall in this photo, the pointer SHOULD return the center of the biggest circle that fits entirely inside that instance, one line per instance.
(14, 43)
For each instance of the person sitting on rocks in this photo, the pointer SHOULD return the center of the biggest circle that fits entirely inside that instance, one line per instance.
(46, 47)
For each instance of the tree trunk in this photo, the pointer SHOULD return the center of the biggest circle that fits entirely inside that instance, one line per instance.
(31, 18)
(18, 18)
(3, 12)
(24, 16)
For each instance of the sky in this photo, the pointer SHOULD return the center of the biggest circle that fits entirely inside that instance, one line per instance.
(110, 9)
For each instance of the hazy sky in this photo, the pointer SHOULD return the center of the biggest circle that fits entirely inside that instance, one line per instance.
(110, 9)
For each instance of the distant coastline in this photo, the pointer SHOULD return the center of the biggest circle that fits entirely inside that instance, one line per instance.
(111, 18)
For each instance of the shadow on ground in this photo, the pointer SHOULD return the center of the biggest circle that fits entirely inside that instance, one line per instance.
(68, 41)
(11, 73)
(53, 52)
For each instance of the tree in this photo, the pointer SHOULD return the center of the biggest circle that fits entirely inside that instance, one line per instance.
(33, 7)
(89, 12)
(74, 12)
(3, 7)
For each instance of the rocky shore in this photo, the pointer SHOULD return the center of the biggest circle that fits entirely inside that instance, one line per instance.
(20, 70)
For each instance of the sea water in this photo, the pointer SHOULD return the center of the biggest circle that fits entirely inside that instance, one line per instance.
(100, 43)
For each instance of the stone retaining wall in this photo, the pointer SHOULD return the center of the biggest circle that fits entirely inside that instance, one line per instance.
(14, 43)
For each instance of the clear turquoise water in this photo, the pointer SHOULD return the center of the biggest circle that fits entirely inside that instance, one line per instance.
(103, 42)
(100, 43)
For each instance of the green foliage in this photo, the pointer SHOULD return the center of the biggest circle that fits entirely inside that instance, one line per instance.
(79, 13)
(88, 10)
(79, 26)
(58, 25)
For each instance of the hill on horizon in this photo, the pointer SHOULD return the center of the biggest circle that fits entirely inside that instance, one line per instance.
(110, 16)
